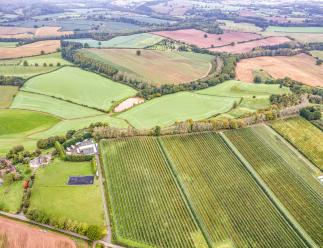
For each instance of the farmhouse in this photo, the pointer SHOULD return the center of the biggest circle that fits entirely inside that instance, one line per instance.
(41, 160)
(86, 147)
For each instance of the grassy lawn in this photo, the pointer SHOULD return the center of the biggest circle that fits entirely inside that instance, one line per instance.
(52, 195)
(295, 29)
(130, 41)
(317, 54)
(181, 106)
(304, 136)
(7, 93)
(63, 109)
(11, 195)
(79, 86)
(151, 66)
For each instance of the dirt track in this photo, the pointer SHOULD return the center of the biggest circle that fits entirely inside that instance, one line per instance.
(300, 67)
(20, 235)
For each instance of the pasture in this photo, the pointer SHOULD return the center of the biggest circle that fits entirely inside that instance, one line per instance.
(47, 104)
(168, 109)
(7, 94)
(304, 136)
(239, 26)
(205, 40)
(287, 183)
(8, 44)
(147, 208)
(130, 41)
(295, 29)
(51, 195)
(300, 67)
(246, 47)
(19, 234)
(79, 86)
(317, 54)
(150, 66)
(228, 202)
(31, 49)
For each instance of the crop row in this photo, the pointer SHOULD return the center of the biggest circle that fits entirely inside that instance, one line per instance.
(146, 205)
(227, 200)
(302, 201)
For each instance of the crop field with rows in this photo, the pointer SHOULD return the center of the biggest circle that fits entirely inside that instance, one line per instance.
(303, 201)
(229, 204)
(304, 136)
(146, 206)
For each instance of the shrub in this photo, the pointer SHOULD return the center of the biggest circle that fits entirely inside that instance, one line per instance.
(94, 232)
(60, 150)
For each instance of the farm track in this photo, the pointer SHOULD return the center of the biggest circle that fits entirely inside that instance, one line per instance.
(224, 214)
(300, 199)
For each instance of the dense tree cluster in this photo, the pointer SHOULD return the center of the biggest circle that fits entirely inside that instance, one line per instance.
(311, 113)
(10, 80)
(18, 155)
(50, 142)
(284, 100)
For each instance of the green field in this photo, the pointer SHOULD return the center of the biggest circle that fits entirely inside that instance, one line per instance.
(147, 208)
(7, 94)
(130, 41)
(52, 195)
(8, 44)
(241, 26)
(295, 29)
(181, 106)
(317, 54)
(47, 104)
(307, 138)
(65, 125)
(11, 195)
(15, 67)
(227, 200)
(151, 65)
(292, 189)
(79, 86)
(250, 96)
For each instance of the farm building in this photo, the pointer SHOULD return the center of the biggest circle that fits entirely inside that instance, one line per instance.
(41, 160)
(86, 147)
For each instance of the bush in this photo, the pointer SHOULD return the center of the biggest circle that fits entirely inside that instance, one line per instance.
(60, 150)
(94, 232)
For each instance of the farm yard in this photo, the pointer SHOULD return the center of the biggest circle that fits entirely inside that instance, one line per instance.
(289, 186)
(141, 40)
(147, 208)
(35, 48)
(168, 109)
(221, 192)
(52, 196)
(205, 40)
(304, 136)
(18, 234)
(300, 67)
(150, 65)
(246, 47)
(72, 84)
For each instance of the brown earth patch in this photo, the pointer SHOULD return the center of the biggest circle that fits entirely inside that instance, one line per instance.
(32, 49)
(129, 103)
(248, 46)
(197, 37)
(19, 235)
(301, 67)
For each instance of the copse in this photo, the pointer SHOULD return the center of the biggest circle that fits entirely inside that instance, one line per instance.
(311, 113)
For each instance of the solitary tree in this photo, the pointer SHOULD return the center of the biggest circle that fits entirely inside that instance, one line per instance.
(25, 63)
(205, 35)
(138, 52)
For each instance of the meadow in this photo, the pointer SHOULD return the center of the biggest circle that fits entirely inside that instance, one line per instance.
(8, 44)
(31, 49)
(47, 104)
(300, 67)
(141, 40)
(295, 29)
(7, 94)
(226, 199)
(206, 40)
(317, 54)
(181, 106)
(72, 84)
(147, 208)
(304, 136)
(290, 187)
(52, 195)
(238, 26)
(150, 65)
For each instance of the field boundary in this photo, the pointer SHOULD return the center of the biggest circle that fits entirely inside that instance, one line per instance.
(182, 190)
(271, 196)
